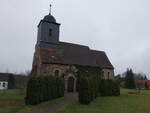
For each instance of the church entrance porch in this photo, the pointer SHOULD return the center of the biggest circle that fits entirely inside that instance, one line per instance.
(70, 83)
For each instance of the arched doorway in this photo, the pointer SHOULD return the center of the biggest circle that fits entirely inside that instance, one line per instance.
(70, 85)
(56, 73)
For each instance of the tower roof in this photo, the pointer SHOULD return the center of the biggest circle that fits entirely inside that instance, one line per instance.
(49, 18)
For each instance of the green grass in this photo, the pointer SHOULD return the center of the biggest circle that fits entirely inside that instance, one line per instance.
(125, 103)
(12, 101)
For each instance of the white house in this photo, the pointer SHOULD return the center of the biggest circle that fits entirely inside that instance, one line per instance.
(3, 85)
(3, 81)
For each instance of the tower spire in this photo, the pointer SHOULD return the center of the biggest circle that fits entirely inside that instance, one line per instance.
(50, 10)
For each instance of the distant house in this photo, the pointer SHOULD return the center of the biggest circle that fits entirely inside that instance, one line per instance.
(4, 80)
(20, 81)
(141, 83)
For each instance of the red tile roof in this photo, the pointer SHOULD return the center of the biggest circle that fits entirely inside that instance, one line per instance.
(143, 81)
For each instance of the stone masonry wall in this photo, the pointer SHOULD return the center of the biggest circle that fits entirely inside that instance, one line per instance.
(108, 73)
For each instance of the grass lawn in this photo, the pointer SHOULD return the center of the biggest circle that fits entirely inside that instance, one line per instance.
(125, 103)
(12, 101)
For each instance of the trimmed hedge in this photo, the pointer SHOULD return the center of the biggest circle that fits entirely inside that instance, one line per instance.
(109, 88)
(40, 89)
(85, 94)
(91, 87)
(89, 78)
(88, 89)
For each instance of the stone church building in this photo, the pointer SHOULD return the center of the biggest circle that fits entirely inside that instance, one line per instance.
(56, 58)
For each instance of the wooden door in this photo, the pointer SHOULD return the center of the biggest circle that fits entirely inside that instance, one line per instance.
(70, 84)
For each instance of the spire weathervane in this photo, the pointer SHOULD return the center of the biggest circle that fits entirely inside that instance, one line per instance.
(50, 11)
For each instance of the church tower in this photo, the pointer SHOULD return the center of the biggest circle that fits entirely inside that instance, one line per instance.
(47, 42)
(48, 32)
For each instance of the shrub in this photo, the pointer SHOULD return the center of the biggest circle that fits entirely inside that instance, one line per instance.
(146, 85)
(40, 89)
(88, 89)
(33, 93)
(11, 82)
(84, 91)
(115, 89)
(91, 84)
(94, 81)
(109, 88)
(103, 88)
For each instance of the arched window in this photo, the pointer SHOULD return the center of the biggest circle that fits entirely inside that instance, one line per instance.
(56, 73)
(50, 32)
(108, 75)
(103, 74)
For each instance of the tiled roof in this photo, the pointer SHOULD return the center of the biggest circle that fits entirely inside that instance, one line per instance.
(74, 54)
(143, 81)
(4, 76)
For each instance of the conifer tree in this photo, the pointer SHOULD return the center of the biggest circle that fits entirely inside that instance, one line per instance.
(146, 85)
(145, 78)
(129, 79)
(11, 82)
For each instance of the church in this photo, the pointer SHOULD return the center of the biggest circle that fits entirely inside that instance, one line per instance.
(56, 58)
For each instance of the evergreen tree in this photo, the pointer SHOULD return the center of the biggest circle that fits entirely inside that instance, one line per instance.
(118, 79)
(129, 79)
(109, 88)
(85, 91)
(146, 85)
(40, 89)
(33, 92)
(11, 82)
(145, 78)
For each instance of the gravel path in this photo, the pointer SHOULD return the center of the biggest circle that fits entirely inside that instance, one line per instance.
(57, 105)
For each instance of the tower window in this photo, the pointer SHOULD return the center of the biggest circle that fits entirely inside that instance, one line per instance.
(50, 32)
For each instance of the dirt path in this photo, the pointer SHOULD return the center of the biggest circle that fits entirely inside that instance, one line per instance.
(57, 105)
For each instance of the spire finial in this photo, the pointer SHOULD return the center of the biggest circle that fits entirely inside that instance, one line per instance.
(50, 11)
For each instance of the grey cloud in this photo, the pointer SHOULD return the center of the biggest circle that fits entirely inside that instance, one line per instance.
(121, 28)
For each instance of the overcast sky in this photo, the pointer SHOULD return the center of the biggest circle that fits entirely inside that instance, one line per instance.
(121, 28)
